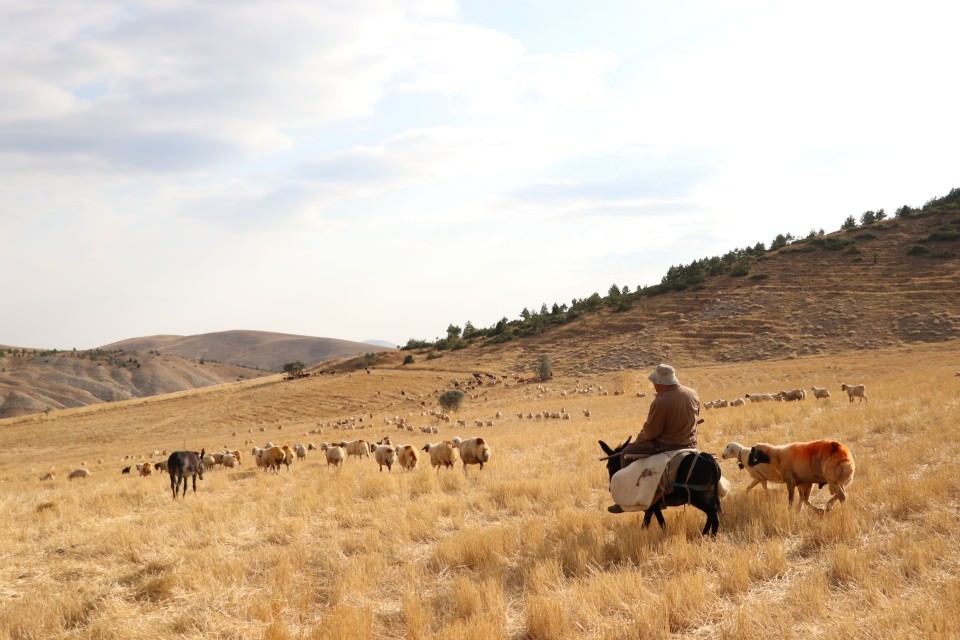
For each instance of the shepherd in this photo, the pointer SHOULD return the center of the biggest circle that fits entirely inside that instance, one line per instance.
(183, 464)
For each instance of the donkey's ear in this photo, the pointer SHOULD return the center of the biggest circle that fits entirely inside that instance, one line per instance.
(203, 452)
(626, 442)
(606, 448)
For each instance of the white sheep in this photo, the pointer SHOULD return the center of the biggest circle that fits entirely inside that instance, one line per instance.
(761, 473)
(820, 392)
(443, 453)
(300, 450)
(760, 397)
(737, 402)
(335, 454)
(473, 451)
(385, 455)
(855, 391)
(359, 448)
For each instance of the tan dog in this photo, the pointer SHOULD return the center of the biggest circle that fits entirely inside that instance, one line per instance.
(804, 464)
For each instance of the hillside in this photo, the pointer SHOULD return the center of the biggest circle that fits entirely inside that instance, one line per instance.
(38, 381)
(254, 349)
(895, 282)
(863, 288)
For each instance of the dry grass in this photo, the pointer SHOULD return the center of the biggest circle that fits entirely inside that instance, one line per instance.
(523, 549)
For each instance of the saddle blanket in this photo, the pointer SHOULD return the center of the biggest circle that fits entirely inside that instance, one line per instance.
(644, 481)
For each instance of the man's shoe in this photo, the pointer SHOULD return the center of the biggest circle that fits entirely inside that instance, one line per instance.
(615, 508)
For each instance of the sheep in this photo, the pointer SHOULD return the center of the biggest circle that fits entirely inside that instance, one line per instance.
(271, 458)
(300, 450)
(760, 397)
(335, 454)
(78, 473)
(385, 455)
(146, 469)
(803, 464)
(125, 470)
(229, 461)
(443, 453)
(47, 476)
(473, 451)
(820, 392)
(855, 391)
(358, 448)
(761, 473)
(737, 402)
(793, 394)
(407, 456)
(160, 466)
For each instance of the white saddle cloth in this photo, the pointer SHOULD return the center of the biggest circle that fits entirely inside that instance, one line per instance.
(643, 481)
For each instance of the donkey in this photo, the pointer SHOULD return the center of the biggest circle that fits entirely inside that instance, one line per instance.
(183, 464)
(701, 486)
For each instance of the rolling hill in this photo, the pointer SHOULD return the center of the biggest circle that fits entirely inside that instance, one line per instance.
(891, 283)
(38, 381)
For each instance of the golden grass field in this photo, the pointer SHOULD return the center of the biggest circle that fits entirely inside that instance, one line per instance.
(523, 549)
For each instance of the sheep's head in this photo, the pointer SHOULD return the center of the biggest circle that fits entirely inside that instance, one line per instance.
(758, 455)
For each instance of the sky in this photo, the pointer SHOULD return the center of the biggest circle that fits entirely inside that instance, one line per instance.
(380, 169)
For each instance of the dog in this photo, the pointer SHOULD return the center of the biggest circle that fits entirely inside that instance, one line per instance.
(804, 464)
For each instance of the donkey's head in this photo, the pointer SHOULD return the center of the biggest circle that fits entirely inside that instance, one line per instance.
(613, 458)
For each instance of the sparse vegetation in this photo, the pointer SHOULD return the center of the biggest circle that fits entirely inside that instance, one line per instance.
(451, 399)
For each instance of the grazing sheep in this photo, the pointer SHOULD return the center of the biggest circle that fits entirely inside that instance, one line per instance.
(300, 451)
(804, 464)
(46, 476)
(335, 454)
(146, 469)
(820, 392)
(229, 461)
(78, 473)
(760, 397)
(473, 451)
(855, 391)
(126, 470)
(761, 473)
(160, 466)
(359, 448)
(737, 402)
(793, 394)
(385, 455)
(443, 453)
(407, 456)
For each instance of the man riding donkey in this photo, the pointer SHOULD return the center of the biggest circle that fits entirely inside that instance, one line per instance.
(671, 422)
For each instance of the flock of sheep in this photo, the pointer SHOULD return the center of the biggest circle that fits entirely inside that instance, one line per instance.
(854, 391)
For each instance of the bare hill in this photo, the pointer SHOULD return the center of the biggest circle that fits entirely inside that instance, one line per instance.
(34, 382)
(254, 349)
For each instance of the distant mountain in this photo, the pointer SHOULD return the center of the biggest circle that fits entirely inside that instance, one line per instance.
(381, 343)
(255, 349)
(33, 381)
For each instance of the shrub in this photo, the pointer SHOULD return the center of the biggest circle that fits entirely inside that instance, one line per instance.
(451, 399)
(740, 269)
(760, 276)
(918, 250)
(545, 367)
(944, 235)
(433, 355)
(409, 359)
